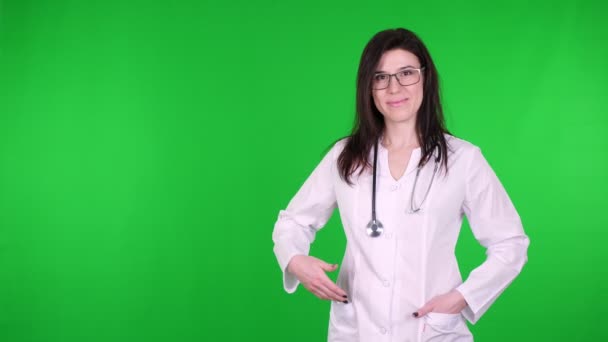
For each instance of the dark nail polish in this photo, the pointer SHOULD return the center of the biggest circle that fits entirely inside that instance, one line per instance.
(345, 302)
(415, 314)
(344, 296)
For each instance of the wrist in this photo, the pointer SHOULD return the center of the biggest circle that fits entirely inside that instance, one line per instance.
(291, 262)
(461, 300)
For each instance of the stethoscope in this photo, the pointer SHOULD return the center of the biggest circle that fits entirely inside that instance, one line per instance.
(375, 227)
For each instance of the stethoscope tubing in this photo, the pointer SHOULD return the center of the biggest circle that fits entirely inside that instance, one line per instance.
(375, 227)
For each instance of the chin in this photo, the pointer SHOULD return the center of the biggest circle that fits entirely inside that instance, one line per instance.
(400, 117)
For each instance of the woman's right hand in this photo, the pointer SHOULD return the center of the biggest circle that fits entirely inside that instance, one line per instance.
(310, 271)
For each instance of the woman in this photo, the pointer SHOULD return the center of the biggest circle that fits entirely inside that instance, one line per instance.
(402, 184)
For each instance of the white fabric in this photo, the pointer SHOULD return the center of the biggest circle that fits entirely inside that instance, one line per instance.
(389, 277)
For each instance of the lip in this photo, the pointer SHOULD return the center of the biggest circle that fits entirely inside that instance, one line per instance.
(396, 103)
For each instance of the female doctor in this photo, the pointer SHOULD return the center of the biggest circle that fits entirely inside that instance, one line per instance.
(402, 184)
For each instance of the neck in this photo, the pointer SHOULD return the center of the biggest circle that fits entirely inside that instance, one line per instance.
(400, 135)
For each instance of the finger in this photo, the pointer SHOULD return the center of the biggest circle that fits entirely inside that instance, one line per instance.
(332, 294)
(320, 292)
(316, 288)
(329, 283)
(328, 267)
(426, 308)
(335, 289)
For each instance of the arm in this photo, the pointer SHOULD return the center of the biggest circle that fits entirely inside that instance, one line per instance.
(497, 226)
(307, 212)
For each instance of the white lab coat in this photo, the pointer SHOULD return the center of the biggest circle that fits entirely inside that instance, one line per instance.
(389, 277)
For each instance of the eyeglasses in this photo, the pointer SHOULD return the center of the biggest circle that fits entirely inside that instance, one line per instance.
(404, 77)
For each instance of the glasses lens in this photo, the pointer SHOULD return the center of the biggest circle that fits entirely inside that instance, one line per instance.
(381, 81)
(408, 77)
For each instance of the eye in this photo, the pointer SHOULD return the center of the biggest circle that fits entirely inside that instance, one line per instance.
(380, 77)
(407, 72)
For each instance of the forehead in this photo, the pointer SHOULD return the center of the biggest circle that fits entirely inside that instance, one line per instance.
(394, 60)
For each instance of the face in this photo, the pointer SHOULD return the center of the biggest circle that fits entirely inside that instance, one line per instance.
(396, 102)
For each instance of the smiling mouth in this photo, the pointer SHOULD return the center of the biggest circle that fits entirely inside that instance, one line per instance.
(396, 103)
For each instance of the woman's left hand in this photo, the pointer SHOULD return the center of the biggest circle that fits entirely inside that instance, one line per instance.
(451, 303)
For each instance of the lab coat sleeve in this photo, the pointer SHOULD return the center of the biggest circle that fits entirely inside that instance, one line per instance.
(497, 226)
(307, 212)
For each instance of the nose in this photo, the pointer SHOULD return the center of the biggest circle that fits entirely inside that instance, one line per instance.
(393, 85)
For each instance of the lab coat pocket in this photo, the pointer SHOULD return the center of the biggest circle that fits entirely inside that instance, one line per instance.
(442, 327)
(342, 319)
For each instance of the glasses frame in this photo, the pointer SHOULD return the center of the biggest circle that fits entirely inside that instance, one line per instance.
(390, 76)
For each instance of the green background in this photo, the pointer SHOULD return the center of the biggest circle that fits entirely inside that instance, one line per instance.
(147, 147)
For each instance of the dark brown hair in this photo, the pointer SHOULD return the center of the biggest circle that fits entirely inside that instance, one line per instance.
(369, 122)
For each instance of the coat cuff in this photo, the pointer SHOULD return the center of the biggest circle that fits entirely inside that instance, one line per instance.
(471, 311)
(290, 282)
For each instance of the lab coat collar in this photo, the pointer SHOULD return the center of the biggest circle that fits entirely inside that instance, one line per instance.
(383, 167)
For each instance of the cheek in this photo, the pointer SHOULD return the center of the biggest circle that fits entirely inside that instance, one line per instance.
(419, 94)
(378, 103)
(419, 90)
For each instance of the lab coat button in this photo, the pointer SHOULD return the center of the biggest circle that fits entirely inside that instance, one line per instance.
(394, 187)
(388, 235)
(383, 330)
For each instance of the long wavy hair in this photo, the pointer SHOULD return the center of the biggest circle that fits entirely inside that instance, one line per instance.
(369, 122)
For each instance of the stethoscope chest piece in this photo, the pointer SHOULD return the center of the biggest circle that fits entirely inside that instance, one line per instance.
(374, 228)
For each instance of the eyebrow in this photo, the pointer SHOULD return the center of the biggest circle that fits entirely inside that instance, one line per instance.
(405, 67)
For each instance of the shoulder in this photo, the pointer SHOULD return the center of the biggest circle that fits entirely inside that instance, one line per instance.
(459, 146)
(461, 153)
(332, 153)
(337, 148)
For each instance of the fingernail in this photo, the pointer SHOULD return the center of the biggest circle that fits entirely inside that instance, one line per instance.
(344, 296)
(345, 302)
(415, 314)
